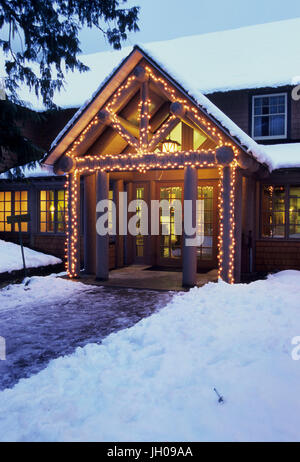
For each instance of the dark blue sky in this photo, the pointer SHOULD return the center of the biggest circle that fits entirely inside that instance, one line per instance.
(167, 19)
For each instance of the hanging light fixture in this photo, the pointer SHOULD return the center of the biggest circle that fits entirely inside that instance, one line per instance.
(170, 145)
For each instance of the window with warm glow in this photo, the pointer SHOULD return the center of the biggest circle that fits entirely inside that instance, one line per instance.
(280, 212)
(170, 244)
(13, 203)
(21, 208)
(205, 251)
(139, 240)
(5, 210)
(52, 211)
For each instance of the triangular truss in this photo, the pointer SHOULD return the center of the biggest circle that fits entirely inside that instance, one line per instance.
(150, 128)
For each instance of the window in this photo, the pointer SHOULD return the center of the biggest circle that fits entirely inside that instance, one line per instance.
(110, 214)
(21, 208)
(269, 116)
(139, 240)
(294, 212)
(13, 203)
(52, 211)
(281, 212)
(170, 244)
(205, 251)
(5, 210)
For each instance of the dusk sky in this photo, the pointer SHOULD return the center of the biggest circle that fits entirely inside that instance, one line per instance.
(167, 19)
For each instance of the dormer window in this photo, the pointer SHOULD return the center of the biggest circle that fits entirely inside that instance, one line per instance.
(269, 116)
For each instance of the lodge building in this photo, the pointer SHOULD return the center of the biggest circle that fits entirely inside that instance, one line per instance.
(145, 133)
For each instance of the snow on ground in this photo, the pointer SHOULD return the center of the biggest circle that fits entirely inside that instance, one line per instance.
(155, 380)
(11, 257)
(50, 317)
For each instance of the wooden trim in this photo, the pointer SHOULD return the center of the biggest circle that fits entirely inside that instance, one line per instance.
(144, 120)
(163, 131)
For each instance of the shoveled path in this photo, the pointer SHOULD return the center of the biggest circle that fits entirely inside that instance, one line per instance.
(39, 332)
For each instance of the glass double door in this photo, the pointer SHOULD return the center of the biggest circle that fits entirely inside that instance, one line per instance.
(170, 242)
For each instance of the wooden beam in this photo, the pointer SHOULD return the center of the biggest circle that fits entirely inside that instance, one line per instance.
(121, 130)
(115, 104)
(140, 74)
(187, 117)
(187, 138)
(107, 143)
(246, 162)
(130, 127)
(116, 122)
(160, 116)
(159, 88)
(163, 131)
(144, 115)
(131, 162)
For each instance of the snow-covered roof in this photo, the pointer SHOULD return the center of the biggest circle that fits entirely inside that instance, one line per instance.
(199, 98)
(264, 55)
(38, 171)
(283, 155)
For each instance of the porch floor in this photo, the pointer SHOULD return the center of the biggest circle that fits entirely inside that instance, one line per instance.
(142, 277)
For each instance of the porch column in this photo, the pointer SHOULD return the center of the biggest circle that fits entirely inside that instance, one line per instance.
(238, 201)
(225, 225)
(73, 236)
(189, 265)
(129, 241)
(119, 187)
(90, 224)
(102, 242)
(151, 240)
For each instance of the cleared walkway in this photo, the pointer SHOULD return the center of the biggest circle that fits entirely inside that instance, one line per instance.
(144, 277)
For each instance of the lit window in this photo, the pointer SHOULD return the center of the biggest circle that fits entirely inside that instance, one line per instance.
(170, 243)
(21, 207)
(52, 211)
(110, 212)
(205, 251)
(139, 240)
(294, 212)
(13, 203)
(273, 212)
(281, 212)
(269, 116)
(5, 210)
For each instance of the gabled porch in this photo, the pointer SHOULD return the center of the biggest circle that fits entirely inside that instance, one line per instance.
(146, 137)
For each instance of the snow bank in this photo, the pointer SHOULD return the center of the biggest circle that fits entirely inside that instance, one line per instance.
(155, 381)
(47, 288)
(11, 257)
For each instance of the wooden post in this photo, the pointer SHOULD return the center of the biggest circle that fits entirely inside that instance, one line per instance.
(151, 240)
(102, 242)
(144, 121)
(238, 224)
(90, 224)
(119, 187)
(129, 240)
(225, 224)
(73, 237)
(189, 267)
